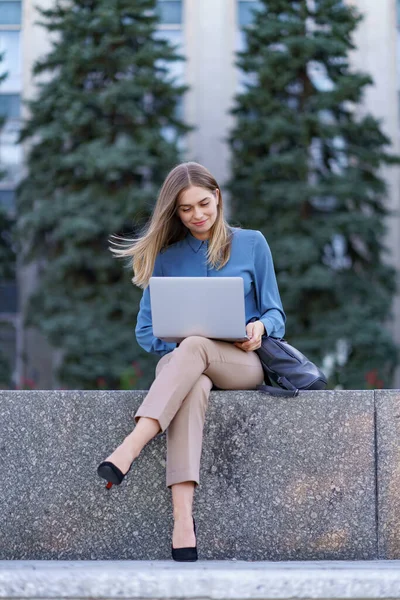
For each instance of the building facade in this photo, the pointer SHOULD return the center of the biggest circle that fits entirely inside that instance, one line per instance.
(208, 33)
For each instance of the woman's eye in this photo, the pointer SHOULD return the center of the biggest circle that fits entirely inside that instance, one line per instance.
(203, 204)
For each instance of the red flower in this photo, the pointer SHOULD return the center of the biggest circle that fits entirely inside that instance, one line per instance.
(137, 368)
(371, 377)
(28, 383)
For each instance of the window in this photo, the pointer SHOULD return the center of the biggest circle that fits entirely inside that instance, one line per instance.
(170, 11)
(245, 11)
(10, 48)
(10, 90)
(10, 13)
(245, 15)
(10, 151)
(170, 28)
(175, 68)
(10, 106)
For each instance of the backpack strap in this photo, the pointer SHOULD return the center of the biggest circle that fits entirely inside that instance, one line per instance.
(285, 383)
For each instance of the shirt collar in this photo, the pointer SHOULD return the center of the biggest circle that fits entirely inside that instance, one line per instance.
(193, 242)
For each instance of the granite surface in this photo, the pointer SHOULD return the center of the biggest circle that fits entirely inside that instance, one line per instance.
(233, 580)
(388, 470)
(281, 478)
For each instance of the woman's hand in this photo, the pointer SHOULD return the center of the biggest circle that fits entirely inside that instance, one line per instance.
(255, 331)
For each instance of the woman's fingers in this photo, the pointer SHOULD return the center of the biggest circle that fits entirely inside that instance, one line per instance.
(246, 347)
(253, 348)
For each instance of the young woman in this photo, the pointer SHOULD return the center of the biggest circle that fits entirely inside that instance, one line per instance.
(188, 236)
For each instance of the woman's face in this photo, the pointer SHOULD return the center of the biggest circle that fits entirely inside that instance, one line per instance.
(197, 209)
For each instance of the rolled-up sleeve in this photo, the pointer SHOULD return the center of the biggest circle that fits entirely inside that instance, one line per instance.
(144, 324)
(268, 298)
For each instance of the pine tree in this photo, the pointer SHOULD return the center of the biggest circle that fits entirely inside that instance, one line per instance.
(306, 165)
(7, 274)
(104, 131)
(7, 257)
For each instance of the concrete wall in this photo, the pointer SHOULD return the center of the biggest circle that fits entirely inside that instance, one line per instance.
(314, 477)
(280, 478)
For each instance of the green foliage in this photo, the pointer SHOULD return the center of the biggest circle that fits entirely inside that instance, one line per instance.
(5, 372)
(7, 256)
(7, 259)
(7, 252)
(104, 131)
(306, 171)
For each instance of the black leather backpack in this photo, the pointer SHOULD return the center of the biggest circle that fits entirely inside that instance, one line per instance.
(288, 368)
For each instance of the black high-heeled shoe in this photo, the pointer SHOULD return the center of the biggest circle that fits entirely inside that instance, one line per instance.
(110, 472)
(185, 554)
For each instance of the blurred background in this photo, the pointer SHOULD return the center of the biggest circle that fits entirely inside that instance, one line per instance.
(292, 105)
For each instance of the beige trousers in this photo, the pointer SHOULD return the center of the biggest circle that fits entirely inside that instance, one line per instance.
(178, 397)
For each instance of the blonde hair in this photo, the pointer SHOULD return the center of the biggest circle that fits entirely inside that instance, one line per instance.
(165, 227)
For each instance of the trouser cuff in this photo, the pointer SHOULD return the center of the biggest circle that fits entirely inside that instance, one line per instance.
(182, 475)
(152, 414)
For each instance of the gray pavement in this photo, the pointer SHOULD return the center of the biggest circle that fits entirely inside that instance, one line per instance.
(204, 579)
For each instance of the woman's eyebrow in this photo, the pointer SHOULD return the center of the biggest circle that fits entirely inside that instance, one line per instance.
(206, 198)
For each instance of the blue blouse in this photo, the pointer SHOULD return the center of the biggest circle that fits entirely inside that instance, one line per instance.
(250, 259)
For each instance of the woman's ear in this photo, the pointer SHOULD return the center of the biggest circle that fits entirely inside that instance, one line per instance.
(217, 195)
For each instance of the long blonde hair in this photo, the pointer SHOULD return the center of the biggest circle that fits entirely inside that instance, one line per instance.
(165, 227)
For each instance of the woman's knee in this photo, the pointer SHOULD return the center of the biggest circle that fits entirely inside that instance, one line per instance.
(194, 342)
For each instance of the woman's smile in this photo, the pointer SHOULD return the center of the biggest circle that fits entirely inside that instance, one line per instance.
(200, 223)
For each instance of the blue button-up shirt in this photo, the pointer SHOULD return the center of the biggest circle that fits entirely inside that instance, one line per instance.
(250, 259)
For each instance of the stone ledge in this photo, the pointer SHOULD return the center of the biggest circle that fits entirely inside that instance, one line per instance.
(388, 471)
(219, 580)
(281, 478)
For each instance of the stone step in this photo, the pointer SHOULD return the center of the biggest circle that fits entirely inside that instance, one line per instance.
(309, 478)
(219, 580)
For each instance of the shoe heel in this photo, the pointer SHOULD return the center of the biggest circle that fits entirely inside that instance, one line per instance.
(110, 472)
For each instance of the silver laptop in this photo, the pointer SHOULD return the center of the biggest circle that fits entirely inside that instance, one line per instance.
(212, 307)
